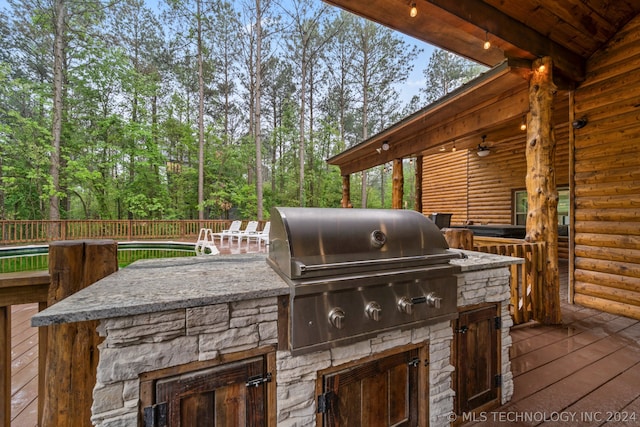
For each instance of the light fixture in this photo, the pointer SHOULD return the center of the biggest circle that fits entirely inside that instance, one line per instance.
(523, 124)
(414, 10)
(483, 150)
(580, 123)
(385, 146)
(453, 149)
(487, 43)
(541, 68)
(443, 148)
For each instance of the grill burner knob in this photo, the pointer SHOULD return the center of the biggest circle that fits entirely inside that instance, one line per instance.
(373, 310)
(336, 318)
(405, 305)
(433, 300)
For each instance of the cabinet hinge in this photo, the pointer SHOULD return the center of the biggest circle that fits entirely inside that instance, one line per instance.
(497, 381)
(258, 380)
(156, 415)
(498, 322)
(462, 329)
(324, 402)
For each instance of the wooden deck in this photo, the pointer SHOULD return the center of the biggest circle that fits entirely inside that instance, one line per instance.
(577, 374)
(583, 373)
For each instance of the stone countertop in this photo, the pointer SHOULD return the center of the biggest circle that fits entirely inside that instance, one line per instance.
(148, 286)
(475, 261)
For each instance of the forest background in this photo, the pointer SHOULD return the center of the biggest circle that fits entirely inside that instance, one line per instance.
(187, 109)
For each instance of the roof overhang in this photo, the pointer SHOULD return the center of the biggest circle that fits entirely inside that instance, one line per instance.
(494, 102)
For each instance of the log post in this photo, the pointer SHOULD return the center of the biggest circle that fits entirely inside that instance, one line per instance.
(397, 191)
(72, 353)
(418, 185)
(542, 217)
(458, 238)
(346, 191)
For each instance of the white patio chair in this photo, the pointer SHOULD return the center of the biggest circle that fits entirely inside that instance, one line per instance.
(233, 229)
(250, 229)
(261, 236)
(205, 244)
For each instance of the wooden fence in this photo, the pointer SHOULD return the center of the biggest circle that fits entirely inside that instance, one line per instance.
(526, 279)
(28, 232)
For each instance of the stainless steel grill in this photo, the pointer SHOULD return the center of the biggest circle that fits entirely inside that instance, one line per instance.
(354, 273)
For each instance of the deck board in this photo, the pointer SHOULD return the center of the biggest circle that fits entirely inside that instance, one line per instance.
(587, 367)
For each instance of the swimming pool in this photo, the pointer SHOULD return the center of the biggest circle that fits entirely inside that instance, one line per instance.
(36, 257)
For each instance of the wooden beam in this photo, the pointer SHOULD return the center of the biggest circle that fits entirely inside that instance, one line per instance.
(502, 26)
(542, 217)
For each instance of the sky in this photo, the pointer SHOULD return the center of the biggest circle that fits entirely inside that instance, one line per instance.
(412, 86)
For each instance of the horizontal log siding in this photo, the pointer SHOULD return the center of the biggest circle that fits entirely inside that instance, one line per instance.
(491, 180)
(444, 184)
(607, 179)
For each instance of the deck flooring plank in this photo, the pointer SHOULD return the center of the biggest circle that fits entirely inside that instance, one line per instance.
(631, 412)
(558, 349)
(554, 400)
(615, 395)
(540, 378)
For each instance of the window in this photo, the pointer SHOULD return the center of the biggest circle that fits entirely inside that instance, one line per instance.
(521, 206)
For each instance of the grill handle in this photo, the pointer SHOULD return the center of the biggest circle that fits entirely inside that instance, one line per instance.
(300, 269)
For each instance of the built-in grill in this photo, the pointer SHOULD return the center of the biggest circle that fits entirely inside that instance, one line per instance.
(357, 272)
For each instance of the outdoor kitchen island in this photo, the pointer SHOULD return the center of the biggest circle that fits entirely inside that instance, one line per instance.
(181, 334)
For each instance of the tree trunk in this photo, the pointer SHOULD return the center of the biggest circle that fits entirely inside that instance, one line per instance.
(200, 118)
(72, 349)
(60, 18)
(542, 218)
(257, 128)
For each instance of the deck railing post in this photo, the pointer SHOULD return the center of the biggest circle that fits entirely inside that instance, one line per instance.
(72, 353)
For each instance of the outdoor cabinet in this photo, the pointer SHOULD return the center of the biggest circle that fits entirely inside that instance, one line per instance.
(387, 391)
(235, 393)
(476, 358)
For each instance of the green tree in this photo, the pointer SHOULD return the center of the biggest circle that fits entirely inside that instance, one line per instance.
(446, 72)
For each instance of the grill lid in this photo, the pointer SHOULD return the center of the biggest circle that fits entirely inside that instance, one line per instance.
(313, 242)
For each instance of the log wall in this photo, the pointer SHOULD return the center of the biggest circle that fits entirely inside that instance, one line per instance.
(607, 178)
(444, 184)
(480, 189)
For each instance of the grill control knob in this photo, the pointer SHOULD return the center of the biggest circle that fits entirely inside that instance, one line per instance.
(405, 305)
(373, 310)
(434, 300)
(336, 318)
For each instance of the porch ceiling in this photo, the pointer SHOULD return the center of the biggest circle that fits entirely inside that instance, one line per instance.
(569, 31)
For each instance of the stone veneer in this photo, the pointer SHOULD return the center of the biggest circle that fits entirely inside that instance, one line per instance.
(147, 342)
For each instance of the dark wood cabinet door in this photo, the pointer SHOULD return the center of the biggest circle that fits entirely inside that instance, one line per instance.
(383, 392)
(476, 342)
(218, 396)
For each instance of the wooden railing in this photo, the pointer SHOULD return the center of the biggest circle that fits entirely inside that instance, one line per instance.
(27, 232)
(15, 289)
(526, 279)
